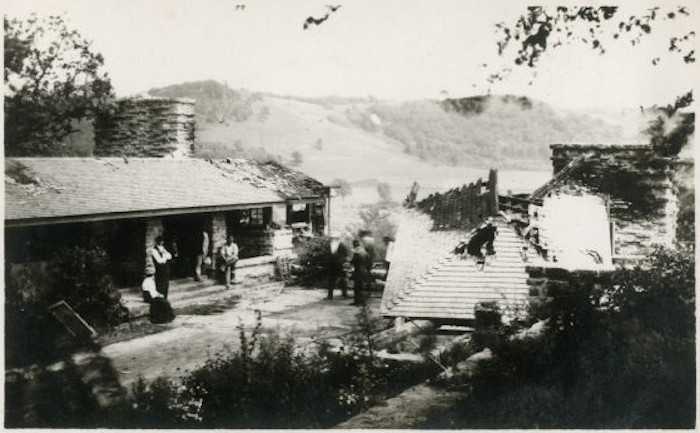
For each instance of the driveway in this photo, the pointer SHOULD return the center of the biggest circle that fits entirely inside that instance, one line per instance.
(300, 312)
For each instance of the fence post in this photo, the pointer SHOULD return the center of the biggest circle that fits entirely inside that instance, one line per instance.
(469, 203)
(479, 201)
(493, 188)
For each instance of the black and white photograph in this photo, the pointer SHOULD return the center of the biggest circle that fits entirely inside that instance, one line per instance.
(359, 214)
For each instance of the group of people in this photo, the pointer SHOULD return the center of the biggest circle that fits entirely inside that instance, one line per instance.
(156, 283)
(346, 262)
(357, 261)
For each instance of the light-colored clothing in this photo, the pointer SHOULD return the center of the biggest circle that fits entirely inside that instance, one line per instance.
(205, 243)
(149, 286)
(160, 255)
(229, 253)
(201, 256)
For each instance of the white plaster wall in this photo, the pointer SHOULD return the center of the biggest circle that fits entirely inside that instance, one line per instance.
(572, 224)
(279, 214)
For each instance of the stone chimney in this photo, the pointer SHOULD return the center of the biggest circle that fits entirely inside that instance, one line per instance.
(147, 127)
(639, 186)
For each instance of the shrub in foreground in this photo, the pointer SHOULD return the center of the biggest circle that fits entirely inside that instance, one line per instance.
(615, 355)
(267, 382)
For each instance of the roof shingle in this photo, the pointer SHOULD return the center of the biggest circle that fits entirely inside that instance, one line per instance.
(38, 188)
(449, 287)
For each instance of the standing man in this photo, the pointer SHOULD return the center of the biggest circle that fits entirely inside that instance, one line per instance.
(229, 254)
(161, 259)
(340, 253)
(367, 242)
(360, 274)
(202, 254)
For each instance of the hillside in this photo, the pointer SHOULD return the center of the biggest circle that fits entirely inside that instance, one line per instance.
(439, 144)
(483, 131)
(215, 102)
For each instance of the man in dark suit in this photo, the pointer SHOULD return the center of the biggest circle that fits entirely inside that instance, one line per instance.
(367, 242)
(337, 266)
(360, 274)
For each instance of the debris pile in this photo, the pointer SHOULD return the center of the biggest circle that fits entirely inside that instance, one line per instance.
(270, 175)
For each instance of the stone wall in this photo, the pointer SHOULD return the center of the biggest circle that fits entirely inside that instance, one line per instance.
(282, 242)
(256, 267)
(89, 391)
(154, 127)
(641, 190)
(253, 241)
(546, 282)
(154, 228)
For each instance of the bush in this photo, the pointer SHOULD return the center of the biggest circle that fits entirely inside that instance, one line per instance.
(77, 275)
(315, 261)
(266, 382)
(685, 231)
(616, 354)
(81, 277)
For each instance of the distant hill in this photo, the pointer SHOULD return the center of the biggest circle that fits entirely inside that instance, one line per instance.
(216, 102)
(506, 131)
(493, 130)
(438, 143)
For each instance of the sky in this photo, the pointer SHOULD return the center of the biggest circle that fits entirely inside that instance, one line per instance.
(390, 49)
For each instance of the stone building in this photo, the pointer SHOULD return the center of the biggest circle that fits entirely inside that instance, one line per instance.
(605, 206)
(125, 203)
(144, 184)
(636, 190)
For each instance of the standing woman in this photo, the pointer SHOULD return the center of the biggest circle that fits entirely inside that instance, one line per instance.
(161, 259)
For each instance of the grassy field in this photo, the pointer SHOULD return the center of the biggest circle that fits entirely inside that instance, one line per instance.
(332, 148)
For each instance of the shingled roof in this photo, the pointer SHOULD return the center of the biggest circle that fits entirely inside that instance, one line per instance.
(432, 282)
(291, 184)
(51, 189)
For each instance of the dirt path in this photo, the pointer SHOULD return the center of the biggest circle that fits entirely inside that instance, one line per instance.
(303, 313)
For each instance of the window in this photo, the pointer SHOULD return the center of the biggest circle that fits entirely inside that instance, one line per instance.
(256, 216)
(250, 217)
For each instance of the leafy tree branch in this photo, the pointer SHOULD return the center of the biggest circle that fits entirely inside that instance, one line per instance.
(53, 79)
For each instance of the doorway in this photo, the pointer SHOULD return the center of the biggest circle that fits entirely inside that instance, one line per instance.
(183, 238)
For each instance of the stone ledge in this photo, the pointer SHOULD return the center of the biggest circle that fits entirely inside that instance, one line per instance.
(255, 261)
